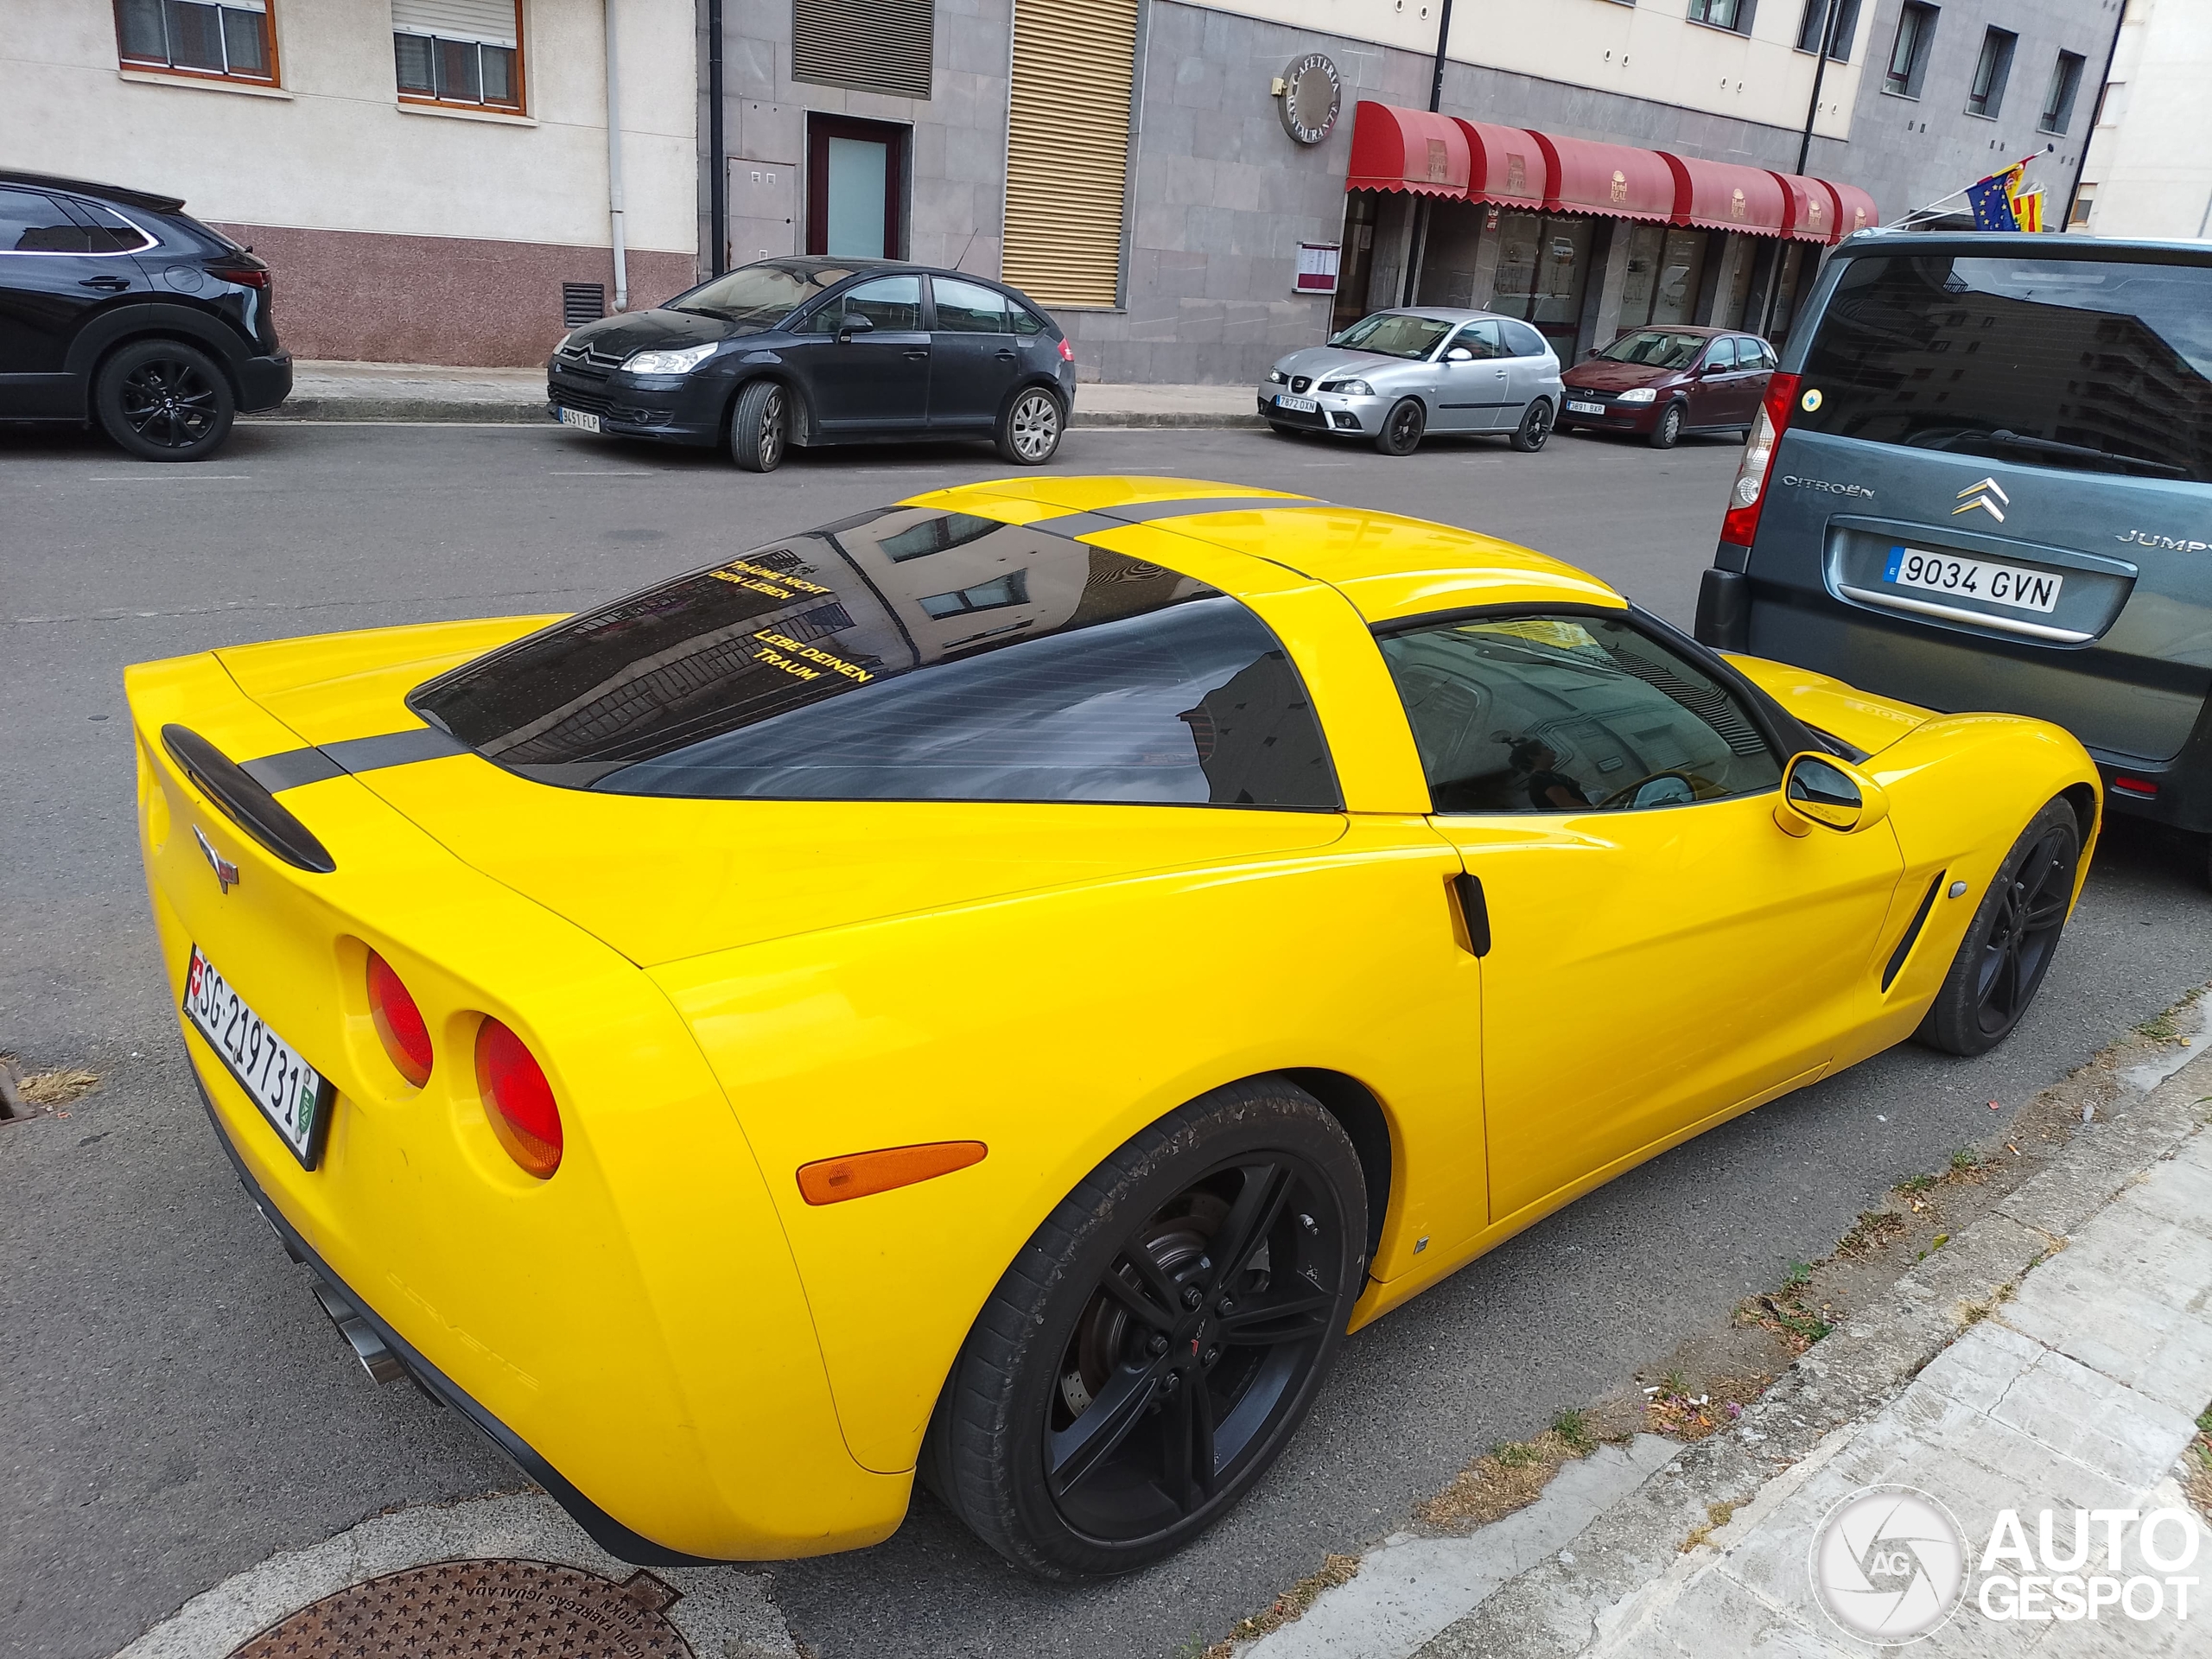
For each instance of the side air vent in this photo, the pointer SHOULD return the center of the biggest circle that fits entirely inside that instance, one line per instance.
(582, 302)
(872, 45)
(1896, 961)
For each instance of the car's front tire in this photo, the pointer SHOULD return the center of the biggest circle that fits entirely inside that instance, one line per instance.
(1029, 431)
(1536, 426)
(1403, 427)
(760, 425)
(1159, 1339)
(1669, 431)
(2008, 946)
(162, 400)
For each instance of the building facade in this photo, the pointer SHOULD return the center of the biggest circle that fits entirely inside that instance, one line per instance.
(1954, 91)
(429, 180)
(2149, 168)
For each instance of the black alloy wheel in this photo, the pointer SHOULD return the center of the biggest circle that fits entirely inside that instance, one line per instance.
(1536, 426)
(1402, 428)
(1029, 431)
(162, 400)
(1160, 1339)
(2008, 946)
(1668, 432)
(760, 427)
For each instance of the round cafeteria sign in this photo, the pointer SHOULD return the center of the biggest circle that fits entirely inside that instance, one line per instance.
(1312, 94)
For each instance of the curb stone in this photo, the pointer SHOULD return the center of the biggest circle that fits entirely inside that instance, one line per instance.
(1600, 1594)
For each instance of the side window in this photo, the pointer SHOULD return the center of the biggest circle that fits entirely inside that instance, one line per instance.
(1570, 714)
(108, 232)
(1480, 338)
(1720, 355)
(1026, 321)
(886, 303)
(1521, 341)
(968, 309)
(32, 223)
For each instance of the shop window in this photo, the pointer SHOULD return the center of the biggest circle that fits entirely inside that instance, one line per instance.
(1543, 272)
(1734, 15)
(1986, 93)
(1908, 64)
(1817, 19)
(883, 45)
(1358, 267)
(1664, 266)
(2058, 102)
(464, 52)
(234, 41)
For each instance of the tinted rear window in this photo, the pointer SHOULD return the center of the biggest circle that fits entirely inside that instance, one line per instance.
(906, 654)
(2090, 364)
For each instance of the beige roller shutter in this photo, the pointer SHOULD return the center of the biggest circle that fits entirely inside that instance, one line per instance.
(1067, 151)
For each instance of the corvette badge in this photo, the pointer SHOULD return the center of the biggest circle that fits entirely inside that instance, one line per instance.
(226, 872)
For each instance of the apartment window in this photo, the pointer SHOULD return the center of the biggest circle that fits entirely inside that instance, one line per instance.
(1909, 52)
(466, 52)
(1734, 15)
(2084, 199)
(1816, 18)
(232, 41)
(2058, 102)
(1986, 96)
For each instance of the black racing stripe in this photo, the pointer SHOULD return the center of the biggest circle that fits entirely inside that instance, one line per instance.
(1139, 512)
(296, 767)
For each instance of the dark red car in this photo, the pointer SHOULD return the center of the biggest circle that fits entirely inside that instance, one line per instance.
(1660, 383)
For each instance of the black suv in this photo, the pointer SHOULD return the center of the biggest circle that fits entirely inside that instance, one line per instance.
(822, 351)
(115, 307)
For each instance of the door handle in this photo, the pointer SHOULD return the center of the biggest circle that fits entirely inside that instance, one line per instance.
(1474, 911)
(918, 354)
(1007, 357)
(114, 284)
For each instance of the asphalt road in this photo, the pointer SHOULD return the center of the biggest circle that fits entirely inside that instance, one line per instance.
(173, 1406)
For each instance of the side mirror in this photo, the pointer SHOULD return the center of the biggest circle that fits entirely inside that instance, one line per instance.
(850, 324)
(1459, 354)
(1820, 789)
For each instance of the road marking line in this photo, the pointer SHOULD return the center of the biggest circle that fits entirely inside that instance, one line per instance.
(603, 473)
(163, 478)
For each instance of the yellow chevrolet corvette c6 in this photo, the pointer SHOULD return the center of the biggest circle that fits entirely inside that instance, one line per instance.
(996, 988)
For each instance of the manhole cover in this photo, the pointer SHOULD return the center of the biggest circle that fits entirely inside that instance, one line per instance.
(481, 1610)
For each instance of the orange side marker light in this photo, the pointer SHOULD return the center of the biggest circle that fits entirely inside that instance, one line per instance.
(856, 1175)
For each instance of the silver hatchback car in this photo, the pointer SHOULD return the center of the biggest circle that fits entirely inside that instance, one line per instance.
(1397, 376)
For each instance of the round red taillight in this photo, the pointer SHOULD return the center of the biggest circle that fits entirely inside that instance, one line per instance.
(518, 1099)
(399, 1023)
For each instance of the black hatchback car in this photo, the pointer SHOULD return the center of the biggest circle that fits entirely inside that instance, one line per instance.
(822, 351)
(116, 307)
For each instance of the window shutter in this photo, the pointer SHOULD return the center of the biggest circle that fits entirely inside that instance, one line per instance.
(1067, 152)
(490, 22)
(872, 46)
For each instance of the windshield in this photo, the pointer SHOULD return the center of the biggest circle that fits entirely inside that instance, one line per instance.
(2087, 365)
(1391, 333)
(758, 296)
(1655, 348)
(906, 654)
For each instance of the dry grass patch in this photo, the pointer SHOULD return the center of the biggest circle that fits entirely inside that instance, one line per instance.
(1291, 1605)
(26, 1094)
(1717, 1516)
(1509, 1475)
(2198, 1485)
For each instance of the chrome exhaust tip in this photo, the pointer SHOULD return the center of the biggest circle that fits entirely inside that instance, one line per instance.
(378, 1360)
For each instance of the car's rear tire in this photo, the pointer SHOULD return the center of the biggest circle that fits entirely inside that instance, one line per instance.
(1536, 426)
(163, 400)
(1669, 431)
(1029, 431)
(1193, 1290)
(1403, 427)
(760, 426)
(2008, 946)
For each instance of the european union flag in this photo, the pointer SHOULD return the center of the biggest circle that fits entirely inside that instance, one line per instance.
(1992, 208)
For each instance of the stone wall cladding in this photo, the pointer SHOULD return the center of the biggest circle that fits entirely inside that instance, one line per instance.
(1221, 196)
(361, 296)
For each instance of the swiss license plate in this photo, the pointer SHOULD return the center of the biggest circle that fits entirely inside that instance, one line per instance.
(1999, 584)
(578, 419)
(292, 1095)
(1585, 409)
(1284, 400)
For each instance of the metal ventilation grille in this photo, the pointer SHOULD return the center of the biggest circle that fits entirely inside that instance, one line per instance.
(873, 46)
(582, 302)
(1065, 180)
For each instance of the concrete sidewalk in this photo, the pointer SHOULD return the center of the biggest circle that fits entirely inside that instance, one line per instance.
(420, 391)
(2053, 1357)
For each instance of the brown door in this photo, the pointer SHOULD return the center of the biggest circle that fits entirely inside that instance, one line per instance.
(856, 187)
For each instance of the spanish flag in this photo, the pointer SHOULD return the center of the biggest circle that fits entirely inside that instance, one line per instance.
(2027, 208)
